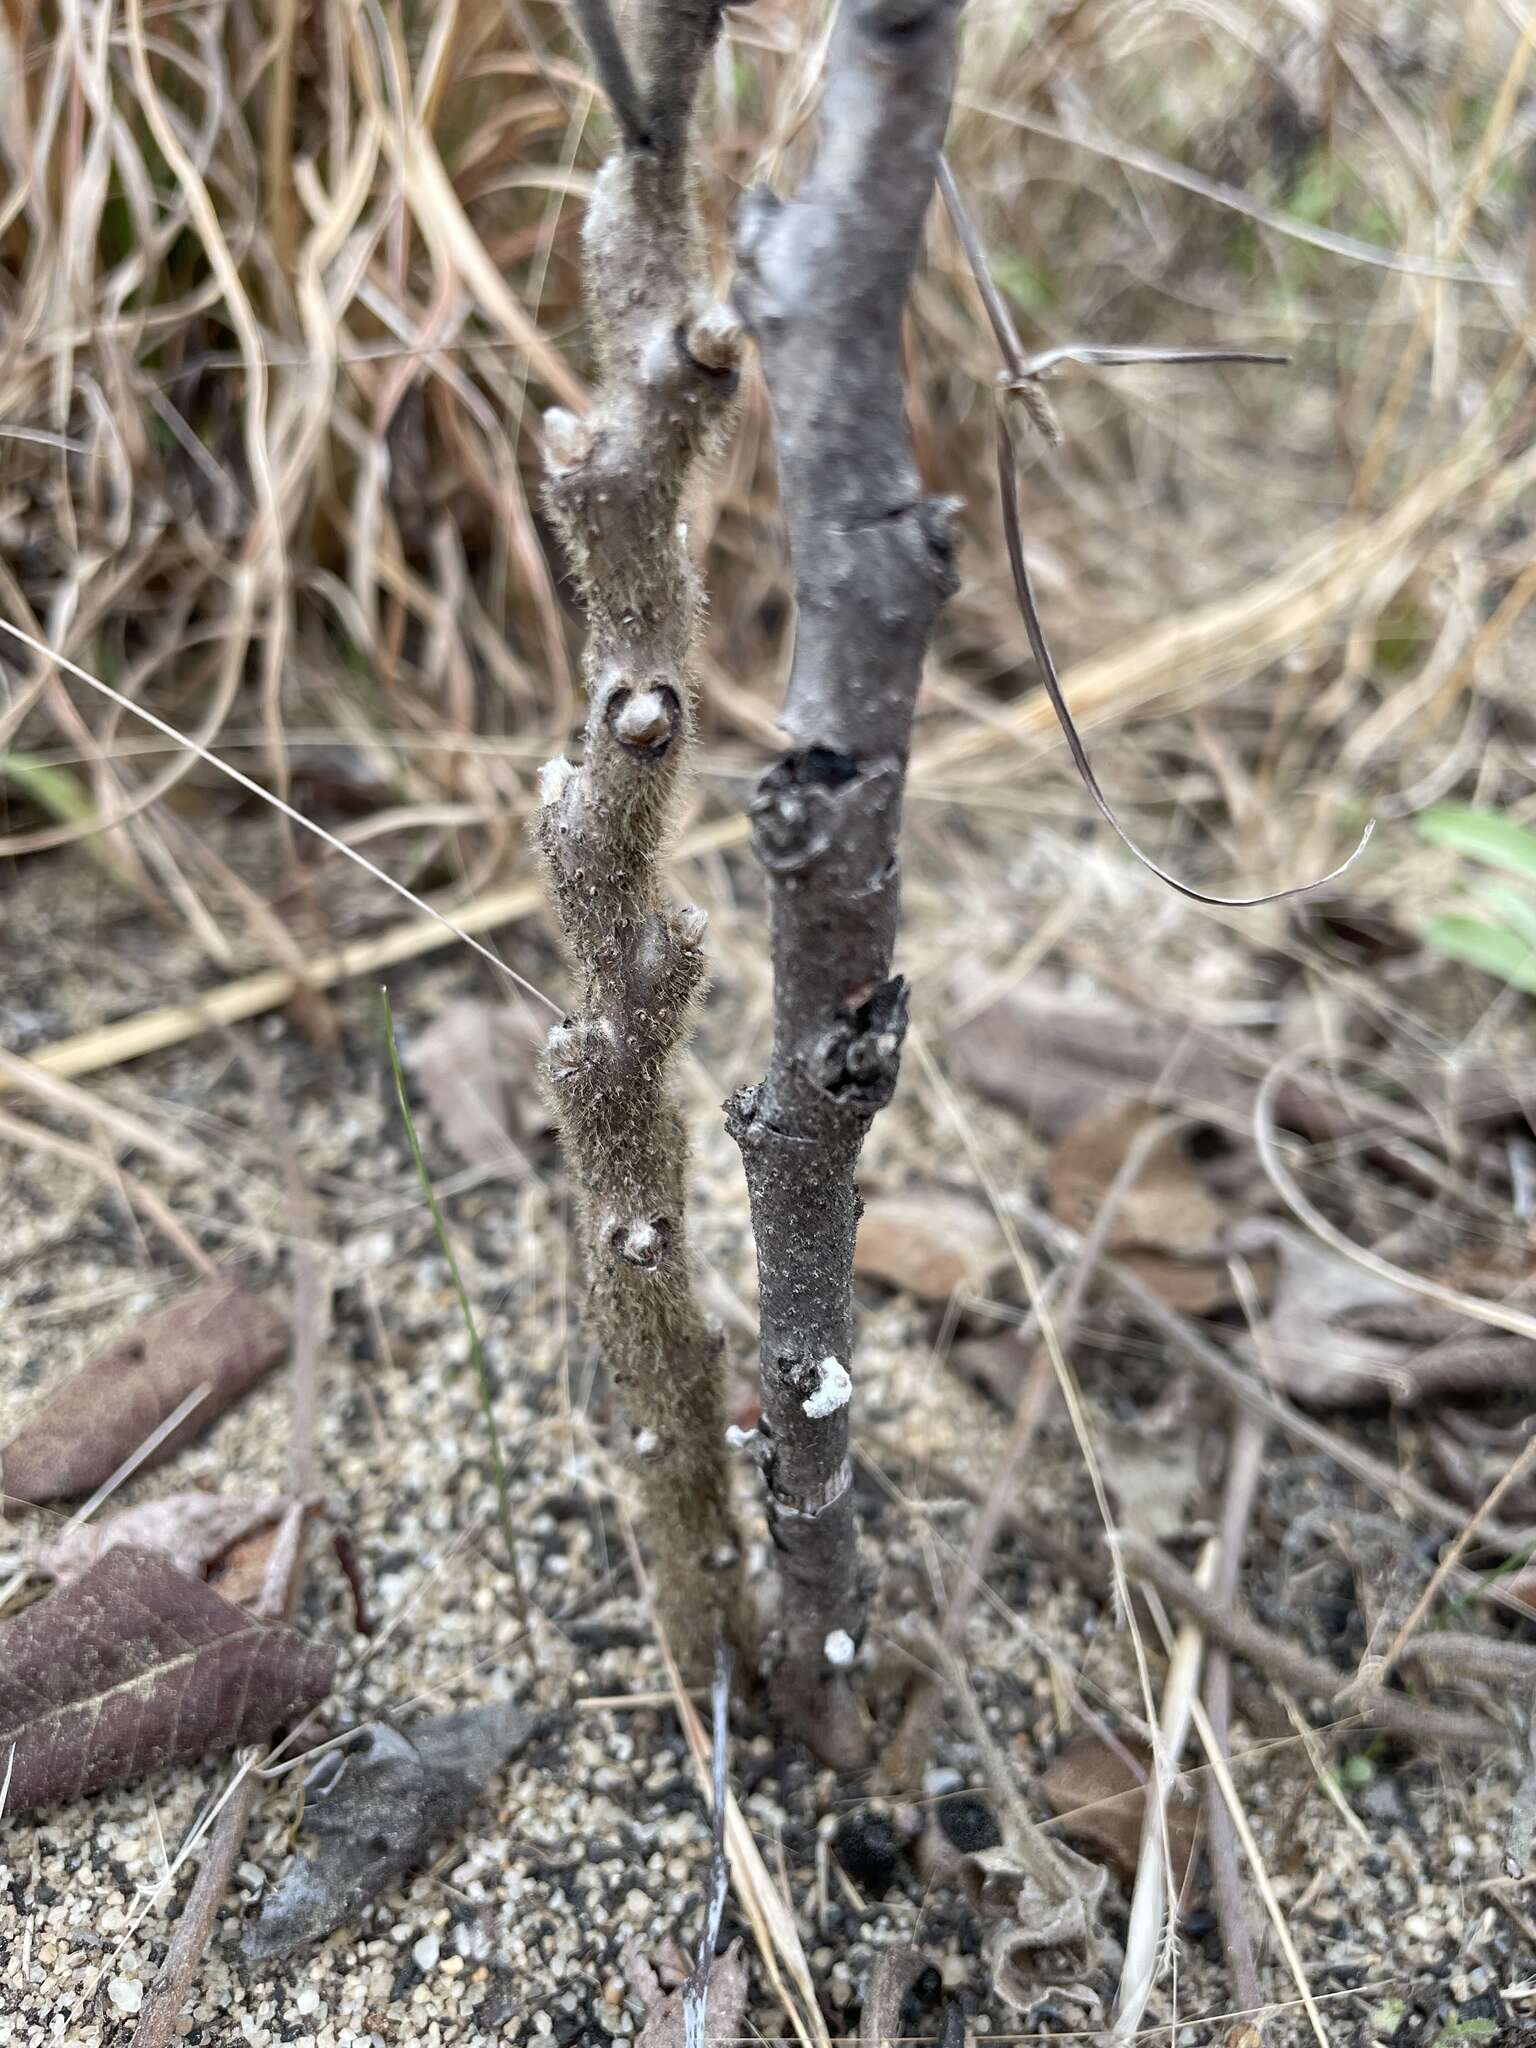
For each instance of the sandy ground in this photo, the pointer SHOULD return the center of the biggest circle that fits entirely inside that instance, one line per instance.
(595, 1838)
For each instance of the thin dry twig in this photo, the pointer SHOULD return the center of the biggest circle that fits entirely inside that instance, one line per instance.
(1154, 1883)
(1292, 1666)
(1021, 377)
(1244, 1463)
(907, 1754)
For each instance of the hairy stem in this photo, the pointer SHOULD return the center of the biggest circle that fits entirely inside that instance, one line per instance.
(617, 489)
(822, 284)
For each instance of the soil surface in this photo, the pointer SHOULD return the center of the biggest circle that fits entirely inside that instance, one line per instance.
(1385, 1860)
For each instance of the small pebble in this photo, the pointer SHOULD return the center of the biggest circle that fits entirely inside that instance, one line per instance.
(424, 1953)
(126, 1993)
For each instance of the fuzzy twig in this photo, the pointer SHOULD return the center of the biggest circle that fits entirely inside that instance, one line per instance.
(617, 489)
(823, 282)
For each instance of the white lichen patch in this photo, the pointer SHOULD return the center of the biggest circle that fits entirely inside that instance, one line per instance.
(833, 1391)
(553, 777)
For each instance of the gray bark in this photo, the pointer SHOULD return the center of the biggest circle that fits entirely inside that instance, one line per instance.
(618, 486)
(822, 285)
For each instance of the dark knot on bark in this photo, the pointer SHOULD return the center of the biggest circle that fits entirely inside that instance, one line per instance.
(794, 809)
(858, 1059)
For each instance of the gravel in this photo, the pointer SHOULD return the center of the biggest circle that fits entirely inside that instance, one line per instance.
(595, 1843)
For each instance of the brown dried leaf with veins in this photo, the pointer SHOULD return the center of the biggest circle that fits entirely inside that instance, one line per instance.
(136, 1666)
(928, 1241)
(191, 1529)
(219, 1336)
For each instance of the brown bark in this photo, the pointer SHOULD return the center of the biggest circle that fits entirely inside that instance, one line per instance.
(618, 484)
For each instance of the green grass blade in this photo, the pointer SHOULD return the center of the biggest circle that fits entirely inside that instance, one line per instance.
(482, 1369)
(67, 800)
(1503, 954)
(1515, 908)
(1488, 836)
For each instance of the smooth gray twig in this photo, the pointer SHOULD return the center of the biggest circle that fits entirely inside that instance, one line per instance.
(822, 284)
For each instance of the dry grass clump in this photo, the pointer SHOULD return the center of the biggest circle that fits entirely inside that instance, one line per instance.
(283, 291)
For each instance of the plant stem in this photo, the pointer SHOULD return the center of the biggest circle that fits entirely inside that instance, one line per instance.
(823, 283)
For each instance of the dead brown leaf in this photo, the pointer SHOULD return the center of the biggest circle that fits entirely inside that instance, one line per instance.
(218, 1336)
(1054, 1062)
(1167, 1224)
(477, 1066)
(372, 1815)
(1099, 1794)
(1339, 1336)
(136, 1666)
(191, 1529)
(242, 1569)
(724, 2008)
(928, 1241)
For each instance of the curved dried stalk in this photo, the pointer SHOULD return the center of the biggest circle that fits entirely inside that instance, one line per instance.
(617, 485)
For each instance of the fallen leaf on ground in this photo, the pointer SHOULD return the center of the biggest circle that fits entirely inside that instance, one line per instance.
(1099, 1794)
(1053, 1062)
(218, 1336)
(1166, 1224)
(927, 1241)
(1338, 1336)
(1039, 1898)
(136, 1666)
(242, 1569)
(477, 1066)
(388, 1801)
(724, 2006)
(192, 1529)
(1041, 1902)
